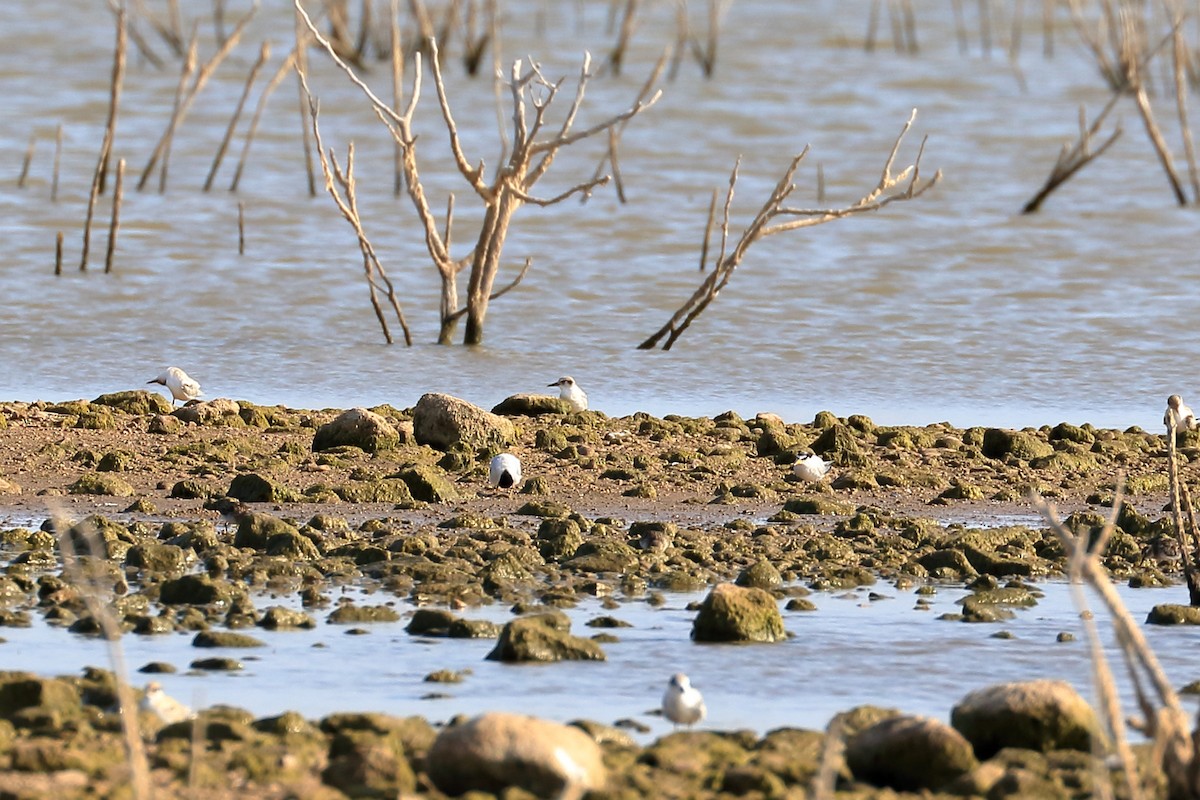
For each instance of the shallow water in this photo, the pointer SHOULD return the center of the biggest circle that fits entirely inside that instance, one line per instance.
(951, 307)
(851, 651)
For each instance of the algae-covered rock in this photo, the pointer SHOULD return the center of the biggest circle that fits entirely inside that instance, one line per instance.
(251, 487)
(357, 427)
(195, 590)
(531, 405)
(370, 765)
(817, 505)
(428, 484)
(101, 484)
(760, 575)
(1038, 715)
(29, 701)
(735, 614)
(350, 613)
(441, 421)
(255, 530)
(156, 557)
(602, 556)
(540, 637)
(1173, 614)
(496, 752)
(999, 443)
(280, 618)
(225, 639)
(909, 753)
(139, 402)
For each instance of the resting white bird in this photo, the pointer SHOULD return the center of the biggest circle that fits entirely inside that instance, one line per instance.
(682, 702)
(569, 390)
(504, 471)
(162, 705)
(1185, 420)
(812, 469)
(182, 387)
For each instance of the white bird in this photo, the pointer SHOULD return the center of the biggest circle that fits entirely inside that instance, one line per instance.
(504, 471)
(1185, 420)
(182, 387)
(569, 390)
(162, 705)
(812, 469)
(682, 703)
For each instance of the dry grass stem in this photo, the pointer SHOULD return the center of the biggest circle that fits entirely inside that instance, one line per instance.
(347, 203)
(84, 576)
(264, 54)
(27, 161)
(1165, 721)
(1073, 158)
(110, 127)
(115, 225)
(189, 93)
(906, 185)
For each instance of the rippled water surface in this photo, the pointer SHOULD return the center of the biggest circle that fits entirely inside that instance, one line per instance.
(953, 306)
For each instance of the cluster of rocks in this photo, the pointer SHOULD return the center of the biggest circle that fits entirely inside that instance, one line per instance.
(63, 736)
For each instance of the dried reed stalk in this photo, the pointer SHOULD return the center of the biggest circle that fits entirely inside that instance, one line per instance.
(114, 100)
(347, 202)
(1165, 721)
(162, 150)
(92, 595)
(906, 185)
(27, 161)
(58, 250)
(264, 54)
(58, 140)
(1073, 158)
(115, 225)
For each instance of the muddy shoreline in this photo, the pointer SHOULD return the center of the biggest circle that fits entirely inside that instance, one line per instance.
(611, 508)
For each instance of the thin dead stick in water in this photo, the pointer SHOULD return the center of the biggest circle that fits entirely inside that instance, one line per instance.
(347, 203)
(58, 140)
(58, 248)
(118, 74)
(241, 227)
(264, 53)
(115, 225)
(397, 94)
(301, 64)
(281, 73)
(1075, 157)
(1181, 90)
(610, 156)
(110, 630)
(27, 161)
(616, 56)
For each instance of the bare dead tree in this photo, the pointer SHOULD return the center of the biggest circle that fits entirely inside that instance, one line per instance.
(1073, 158)
(98, 177)
(610, 157)
(528, 161)
(347, 202)
(890, 189)
(475, 43)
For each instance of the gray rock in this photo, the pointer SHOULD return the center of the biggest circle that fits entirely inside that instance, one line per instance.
(1036, 715)
(495, 751)
(359, 428)
(736, 614)
(442, 421)
(909, 753)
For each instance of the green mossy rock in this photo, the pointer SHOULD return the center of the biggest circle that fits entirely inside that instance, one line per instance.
(139, 402)
(352, 614)
(999, 444)
(43, 704)
(602, 556)
(442, 421)
(1040, 715)
(369, 765)
(542, 637)
(428, 484)
(357, 427)
(190, 489)
(531, 405)
(735, 614)
(156, 557)
(909, 754)
(250, 487)
(195, 590)
(1173, 614)
(279, 618)
(760, 575)
(255, 530)
(225, 639)
(817, 505)
(388, 490)
(101, 484)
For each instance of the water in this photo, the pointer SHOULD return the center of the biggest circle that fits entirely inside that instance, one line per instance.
(851, 651)
(952, 307)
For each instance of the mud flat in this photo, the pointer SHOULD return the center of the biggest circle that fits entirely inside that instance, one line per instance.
(233, 521)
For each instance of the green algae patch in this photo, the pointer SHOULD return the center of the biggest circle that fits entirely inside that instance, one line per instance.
(733, 613)
(138, 403)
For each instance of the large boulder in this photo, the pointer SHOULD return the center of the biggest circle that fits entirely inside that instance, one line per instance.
(737, 614)
(909, 753)
(543, 637)
(359, 428)
(495, 751)
(1036, 715)
(138, 402)
(442, 421)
